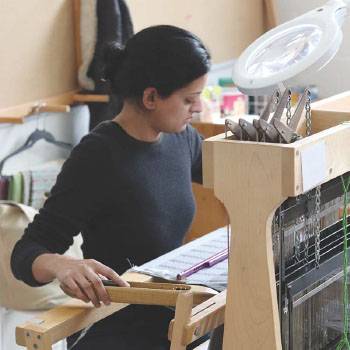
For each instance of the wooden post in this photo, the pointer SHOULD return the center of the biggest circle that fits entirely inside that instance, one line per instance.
(182, 316)
(246, 182)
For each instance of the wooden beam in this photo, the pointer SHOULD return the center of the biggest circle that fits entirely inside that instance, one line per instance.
(286, 168)
(330, 111)
(63, 321)
(336, 103)
(90, 98)
(36, 339)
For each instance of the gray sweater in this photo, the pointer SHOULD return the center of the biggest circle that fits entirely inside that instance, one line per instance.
(131, 200)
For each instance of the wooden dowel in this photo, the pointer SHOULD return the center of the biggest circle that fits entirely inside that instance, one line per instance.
(54, 108)
(90, 98)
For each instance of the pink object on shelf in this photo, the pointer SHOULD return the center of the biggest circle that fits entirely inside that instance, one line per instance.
(234, 102)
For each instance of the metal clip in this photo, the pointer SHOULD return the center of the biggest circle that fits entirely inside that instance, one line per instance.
(281, 105)
(249, 129)
(235, 129)
(286, 133)
(268, 131)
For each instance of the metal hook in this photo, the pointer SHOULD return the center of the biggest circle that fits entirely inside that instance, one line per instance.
(37, 110)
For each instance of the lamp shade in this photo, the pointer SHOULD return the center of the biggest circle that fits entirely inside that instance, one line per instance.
(304, 44)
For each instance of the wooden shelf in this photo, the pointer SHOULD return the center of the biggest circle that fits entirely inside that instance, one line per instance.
(60, 104)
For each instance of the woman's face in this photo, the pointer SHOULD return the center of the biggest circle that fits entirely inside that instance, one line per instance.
(174, 112)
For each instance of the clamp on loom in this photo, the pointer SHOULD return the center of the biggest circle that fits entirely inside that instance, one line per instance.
(272, 130)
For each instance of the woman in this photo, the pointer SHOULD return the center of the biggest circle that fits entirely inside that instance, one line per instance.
(126, 187)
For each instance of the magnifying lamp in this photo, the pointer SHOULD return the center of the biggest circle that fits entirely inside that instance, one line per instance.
(303, 45)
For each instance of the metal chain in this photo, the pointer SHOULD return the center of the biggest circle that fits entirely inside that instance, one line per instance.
(308, 228)
(297, 242)
(275, 102)
(298, 237)
(308, 114)
(289, 108)
(317, 225)
(280, 225)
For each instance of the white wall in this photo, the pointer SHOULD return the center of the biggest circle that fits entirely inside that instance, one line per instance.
(335, 77)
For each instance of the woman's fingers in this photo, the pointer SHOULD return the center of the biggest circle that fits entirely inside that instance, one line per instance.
(98, 287)
(110, 274)
(82, 279)
(88, 287)
(73, 290)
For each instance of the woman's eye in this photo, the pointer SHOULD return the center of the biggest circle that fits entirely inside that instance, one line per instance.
(188, 101)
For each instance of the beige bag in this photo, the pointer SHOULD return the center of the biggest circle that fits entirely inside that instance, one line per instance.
(14, 294)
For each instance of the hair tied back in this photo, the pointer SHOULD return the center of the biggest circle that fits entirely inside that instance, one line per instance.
(113, 56)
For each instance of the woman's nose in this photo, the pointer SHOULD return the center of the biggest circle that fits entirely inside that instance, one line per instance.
(197, 107)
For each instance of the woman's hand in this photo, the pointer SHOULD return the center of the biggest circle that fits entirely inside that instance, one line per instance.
(79, 278)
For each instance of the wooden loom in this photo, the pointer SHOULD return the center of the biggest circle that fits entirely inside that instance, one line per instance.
(252, 180)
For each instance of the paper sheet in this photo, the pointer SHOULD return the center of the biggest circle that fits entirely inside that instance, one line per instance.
(313, 165)
(169, 265)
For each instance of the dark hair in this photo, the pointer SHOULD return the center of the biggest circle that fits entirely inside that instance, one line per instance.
(164, 57)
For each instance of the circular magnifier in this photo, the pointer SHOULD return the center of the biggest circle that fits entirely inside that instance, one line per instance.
(300, 46)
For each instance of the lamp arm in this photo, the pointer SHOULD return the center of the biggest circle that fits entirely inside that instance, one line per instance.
(341, 8)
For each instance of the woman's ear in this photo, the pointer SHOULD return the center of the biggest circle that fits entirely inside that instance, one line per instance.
(149, 98)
